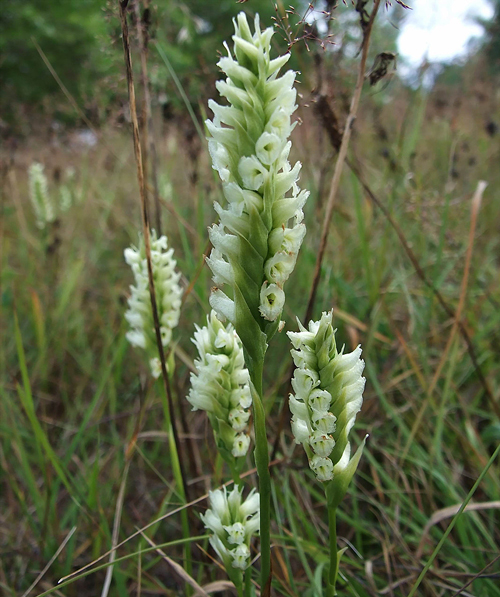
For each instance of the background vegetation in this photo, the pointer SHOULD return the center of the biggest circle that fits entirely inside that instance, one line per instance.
(79, 417)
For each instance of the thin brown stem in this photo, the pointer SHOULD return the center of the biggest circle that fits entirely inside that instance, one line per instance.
(476, 576)
(145, 93)
(339, 166)
(149, 145)
(145, 226)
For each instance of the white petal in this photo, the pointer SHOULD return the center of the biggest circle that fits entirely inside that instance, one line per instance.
(320, 400)
(322, 444)
(252, 526)
(251, 505)
(240, 556)
(268, 148)
(272, 300)
(155, 366)
(238, 418)
(212, 522)
(236, 533)
(136, 338)
(253, 173)
(300, 430)
(223, 305)
(324, 422)
(240, 445)
(279, 267)
(322, 467)
(298, 408)
(218, 503)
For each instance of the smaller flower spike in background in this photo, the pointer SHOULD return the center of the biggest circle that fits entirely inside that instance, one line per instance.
(233, 522)
(168, 297)
(221, 388)
(39, 195)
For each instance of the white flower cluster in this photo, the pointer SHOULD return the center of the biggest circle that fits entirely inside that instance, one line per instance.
(221, 387)
(233, 523)
(168, 297)
(261, 227)
(328, 388)
(39, 195)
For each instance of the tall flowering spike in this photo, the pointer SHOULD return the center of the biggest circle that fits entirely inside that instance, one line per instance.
(168, 297)
(221, 388)
(328, 388)
(233, 522)
(39, 195)
(260, 230)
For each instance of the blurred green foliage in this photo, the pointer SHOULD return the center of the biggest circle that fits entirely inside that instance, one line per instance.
(191, 35)
(72, 35)
(81, 41)
(492, 38)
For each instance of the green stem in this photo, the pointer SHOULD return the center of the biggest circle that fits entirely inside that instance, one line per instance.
(248, 582)
(334, 564)
(176, 469)
(235, 474)
(236, 577)
(262, 464)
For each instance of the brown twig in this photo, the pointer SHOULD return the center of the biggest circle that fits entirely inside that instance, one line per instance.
(149, 148)
(148, 129)
(476, 576)
(339, 166)
(177, 568)
(145, 225)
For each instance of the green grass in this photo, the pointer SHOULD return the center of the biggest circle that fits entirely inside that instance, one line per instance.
(74, 396)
